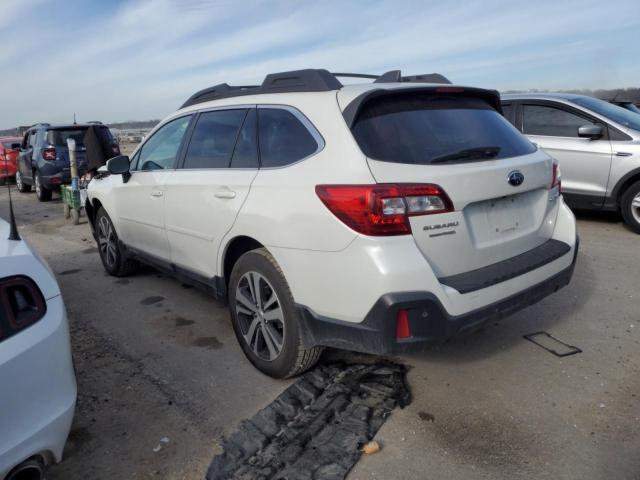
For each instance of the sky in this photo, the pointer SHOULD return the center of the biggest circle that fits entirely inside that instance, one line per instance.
(118, 60)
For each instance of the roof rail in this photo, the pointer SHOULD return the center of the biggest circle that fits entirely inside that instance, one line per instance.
(40, 124)
(95, 122)
(308, 80)
(355, 75)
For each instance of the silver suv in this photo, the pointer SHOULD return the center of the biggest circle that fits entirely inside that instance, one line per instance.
(596, 143)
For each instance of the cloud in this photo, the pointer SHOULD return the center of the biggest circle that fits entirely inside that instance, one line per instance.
(142, 58)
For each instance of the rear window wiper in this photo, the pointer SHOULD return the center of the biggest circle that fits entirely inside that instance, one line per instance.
(468, 154)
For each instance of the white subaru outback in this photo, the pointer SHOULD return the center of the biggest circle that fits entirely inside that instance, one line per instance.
(375, 217)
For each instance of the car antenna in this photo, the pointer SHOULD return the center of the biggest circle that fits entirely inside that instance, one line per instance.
(13, 228)
(74, 118)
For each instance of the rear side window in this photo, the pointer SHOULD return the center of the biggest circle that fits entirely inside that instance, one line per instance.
(33, 137)
(213, 139)
(425, 129)
(283, 138)
(551, 121)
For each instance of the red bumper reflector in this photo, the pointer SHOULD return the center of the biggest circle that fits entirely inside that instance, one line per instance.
(403, 329)
(55, 180)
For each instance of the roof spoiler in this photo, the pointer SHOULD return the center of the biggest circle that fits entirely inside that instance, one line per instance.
(350, 113)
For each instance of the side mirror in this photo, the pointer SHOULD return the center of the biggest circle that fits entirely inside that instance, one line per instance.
(119, 166)
(15, 146)
(592, 132)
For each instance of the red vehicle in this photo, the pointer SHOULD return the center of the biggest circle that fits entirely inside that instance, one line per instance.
(8, 157)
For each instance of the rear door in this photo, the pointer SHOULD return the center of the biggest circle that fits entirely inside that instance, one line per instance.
(139, 203)
(204, 196)
(422, 138)
(585, 163)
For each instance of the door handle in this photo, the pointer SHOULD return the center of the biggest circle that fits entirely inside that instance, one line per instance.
(225, 193)
(623, 154)
(157, 193)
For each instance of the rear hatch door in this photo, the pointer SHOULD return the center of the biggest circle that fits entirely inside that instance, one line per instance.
(497, 180)
(58, 137)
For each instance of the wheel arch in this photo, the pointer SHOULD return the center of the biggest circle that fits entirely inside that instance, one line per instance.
(91, 208)
(625, 182)
(233, 250)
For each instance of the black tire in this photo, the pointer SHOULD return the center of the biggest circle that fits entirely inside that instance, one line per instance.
(292, 358)
(43, 193)
(113, 259)
(20, 185)
(3, 181)
(630, 211)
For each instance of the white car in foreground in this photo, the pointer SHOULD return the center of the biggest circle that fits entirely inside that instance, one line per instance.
(375, 217)
(37, 381)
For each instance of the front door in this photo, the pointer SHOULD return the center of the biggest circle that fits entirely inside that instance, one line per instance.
(585, 163)
(205, 194)
(25, 158)
(140, 203)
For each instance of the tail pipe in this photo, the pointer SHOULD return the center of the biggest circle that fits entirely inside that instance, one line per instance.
(32, 469)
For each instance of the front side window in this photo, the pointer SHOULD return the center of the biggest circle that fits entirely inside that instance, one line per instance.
(431, 128)
(551, 121)
(283, 138)
(623, 116)
(507, 111)
(213, 139)
(160, 151)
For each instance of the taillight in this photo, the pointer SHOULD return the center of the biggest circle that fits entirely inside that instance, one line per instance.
(21, 305)
(383, 209)
(49, 153)
(556, 177)
(115, 149)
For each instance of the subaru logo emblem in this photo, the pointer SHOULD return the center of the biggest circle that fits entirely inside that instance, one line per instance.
(515, 178)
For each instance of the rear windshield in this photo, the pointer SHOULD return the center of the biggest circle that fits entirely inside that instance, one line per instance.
(59, 136)
(425, 128)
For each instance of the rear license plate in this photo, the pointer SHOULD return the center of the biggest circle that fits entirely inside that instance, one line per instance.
(503, 214)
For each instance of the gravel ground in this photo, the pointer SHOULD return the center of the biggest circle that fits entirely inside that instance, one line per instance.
(162, 380)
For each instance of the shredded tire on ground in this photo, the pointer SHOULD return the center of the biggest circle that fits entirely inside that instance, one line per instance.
(314, 429)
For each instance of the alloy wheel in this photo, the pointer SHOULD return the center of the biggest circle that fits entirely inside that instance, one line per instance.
(19, 181)
(38, 186)
(260, 316)
(635, 208)
(107, 242)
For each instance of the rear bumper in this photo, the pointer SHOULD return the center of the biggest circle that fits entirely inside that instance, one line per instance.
(429, 320)
(51, 180)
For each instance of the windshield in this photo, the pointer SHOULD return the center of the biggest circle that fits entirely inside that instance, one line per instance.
(612, 112)
(430, 128)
